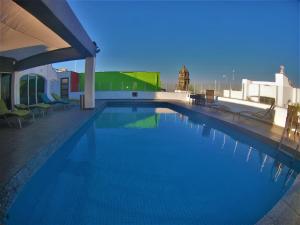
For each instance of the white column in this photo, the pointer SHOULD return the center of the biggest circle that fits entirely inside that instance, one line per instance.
(15, 90)
(245, 84)
(89, 83)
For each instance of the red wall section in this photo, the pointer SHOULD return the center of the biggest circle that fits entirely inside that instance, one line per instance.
(74, 82)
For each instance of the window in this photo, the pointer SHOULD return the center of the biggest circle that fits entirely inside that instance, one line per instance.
(31, 86)
(24, 90)
(5, 87)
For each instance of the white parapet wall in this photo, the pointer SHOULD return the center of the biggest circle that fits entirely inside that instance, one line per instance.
(233, 94)
(280, 116)
(182, 96)
(280, 89)
(280, 112)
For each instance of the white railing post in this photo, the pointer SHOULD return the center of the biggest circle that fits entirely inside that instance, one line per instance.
(276, 95)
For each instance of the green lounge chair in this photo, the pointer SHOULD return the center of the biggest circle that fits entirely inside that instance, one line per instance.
(56, 104)
(18, 114)
(65, 102)
(61, 100)
(41, 107)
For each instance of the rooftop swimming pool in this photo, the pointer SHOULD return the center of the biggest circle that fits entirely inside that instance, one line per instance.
(155, 164)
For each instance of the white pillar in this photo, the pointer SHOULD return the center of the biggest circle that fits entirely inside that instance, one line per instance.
(15, 90)
(89, 83)
(245, 84)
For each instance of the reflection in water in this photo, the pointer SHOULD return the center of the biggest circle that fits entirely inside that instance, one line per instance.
(289, 176)
(263, 162)
(235, 147)
(276, 170)
(133, 118)
(249, 153)
(205, 131)
(156, 166)
(151, 116)
(277, 167)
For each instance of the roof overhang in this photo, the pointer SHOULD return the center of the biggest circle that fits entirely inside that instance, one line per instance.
(38, 32)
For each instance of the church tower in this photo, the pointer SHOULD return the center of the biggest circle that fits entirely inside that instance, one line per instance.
(183, 79)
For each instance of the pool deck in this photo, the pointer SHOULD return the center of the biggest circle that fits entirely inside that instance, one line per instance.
(24, 151)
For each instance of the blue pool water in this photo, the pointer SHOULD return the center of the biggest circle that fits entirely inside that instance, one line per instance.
(153, 165)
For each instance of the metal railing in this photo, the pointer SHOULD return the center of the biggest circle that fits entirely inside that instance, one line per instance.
(199, 87)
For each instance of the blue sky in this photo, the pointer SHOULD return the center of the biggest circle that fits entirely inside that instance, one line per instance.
(209, 37)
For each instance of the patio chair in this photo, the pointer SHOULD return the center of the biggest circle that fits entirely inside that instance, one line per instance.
(210, 96)
(198, 99)
(65, 102)
(40, 107)
(213, 103)
(59, 99)
(18, 114)
(46, 100)
(263, 115)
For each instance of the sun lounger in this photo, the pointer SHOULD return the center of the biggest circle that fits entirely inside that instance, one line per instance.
(18, 114)
(65, 102)
(46, 100)
(40, 107)
(212, 102)
(59, 99)
(263, 115)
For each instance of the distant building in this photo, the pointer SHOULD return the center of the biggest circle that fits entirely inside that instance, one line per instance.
(280, 90)
(183, 79)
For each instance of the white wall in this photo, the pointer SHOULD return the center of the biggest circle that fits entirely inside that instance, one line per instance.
(233, 94)
(280, 113)
(268, 91)
(296, 95)
(46, 71)
(253, 90)
(141, 95)
(280, 116)
(280, 90)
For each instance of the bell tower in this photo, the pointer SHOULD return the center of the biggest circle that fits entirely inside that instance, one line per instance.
(183, 79)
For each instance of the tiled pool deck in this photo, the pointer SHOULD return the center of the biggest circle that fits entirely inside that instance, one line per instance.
(23, 151)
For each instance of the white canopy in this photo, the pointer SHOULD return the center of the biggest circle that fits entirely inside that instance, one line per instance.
(22, 35)
(40, 32)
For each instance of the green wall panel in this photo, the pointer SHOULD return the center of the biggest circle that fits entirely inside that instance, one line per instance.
(131, 81)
